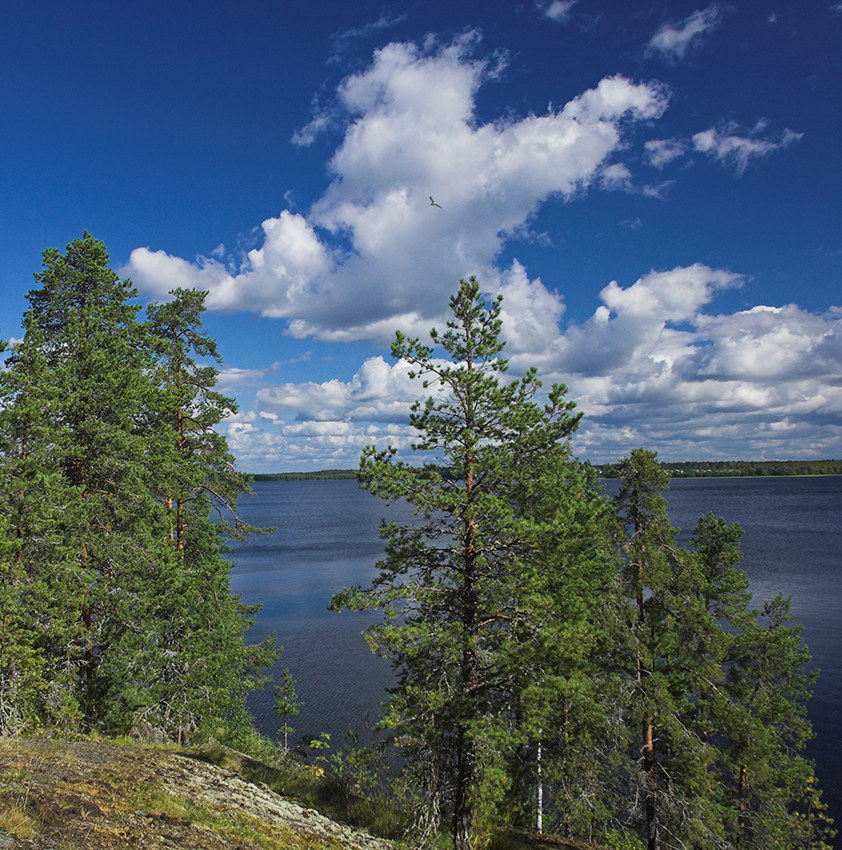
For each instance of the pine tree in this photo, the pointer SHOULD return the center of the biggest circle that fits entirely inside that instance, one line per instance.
(566, 692)
(720, 689)
(112, 469)
(199, 668)
(667, 621)
(445, 585)
(287, 704)
(192, 408)
(751, 687)
(770, 792)
(84, 342)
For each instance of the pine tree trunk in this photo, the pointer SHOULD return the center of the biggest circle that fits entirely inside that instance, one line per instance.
(463, 808)
(652, 837)
(648, 750)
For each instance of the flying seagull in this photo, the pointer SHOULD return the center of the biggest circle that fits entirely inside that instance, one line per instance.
(433, 203)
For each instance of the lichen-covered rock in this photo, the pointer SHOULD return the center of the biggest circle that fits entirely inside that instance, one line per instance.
(84, 794)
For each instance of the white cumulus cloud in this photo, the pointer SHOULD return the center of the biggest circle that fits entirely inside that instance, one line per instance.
(354, 265)
(379, 391)
(273, 278)
(655, 365)
(639, 328)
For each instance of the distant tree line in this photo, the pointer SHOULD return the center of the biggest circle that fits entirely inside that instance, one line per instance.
(561, 663)
(736, 468)
(320, 475)
(334, 474)
(675, 469)
(117, 498)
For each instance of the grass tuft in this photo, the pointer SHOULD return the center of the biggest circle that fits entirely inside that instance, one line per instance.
(18, 821)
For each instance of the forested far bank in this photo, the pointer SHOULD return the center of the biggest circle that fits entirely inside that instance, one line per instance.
(319, 475)
(675, 469)
(737, 468)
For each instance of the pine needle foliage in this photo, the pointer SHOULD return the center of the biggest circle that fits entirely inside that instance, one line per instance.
(446, 586)
(116, 607)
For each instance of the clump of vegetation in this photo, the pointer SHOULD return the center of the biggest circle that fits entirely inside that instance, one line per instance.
(117, 499)
(560, 661)
(287, 705)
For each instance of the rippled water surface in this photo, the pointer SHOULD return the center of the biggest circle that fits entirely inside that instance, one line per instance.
(326, 538)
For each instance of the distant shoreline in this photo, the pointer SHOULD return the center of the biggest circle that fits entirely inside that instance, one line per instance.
(319, 475)
(676, 470)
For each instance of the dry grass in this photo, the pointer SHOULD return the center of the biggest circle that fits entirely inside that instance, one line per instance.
(17, 821)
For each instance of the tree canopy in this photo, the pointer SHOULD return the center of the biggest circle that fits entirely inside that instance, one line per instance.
(117, 590)
(559, 658)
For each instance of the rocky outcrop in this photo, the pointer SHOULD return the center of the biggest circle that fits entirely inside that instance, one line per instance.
(97, 795)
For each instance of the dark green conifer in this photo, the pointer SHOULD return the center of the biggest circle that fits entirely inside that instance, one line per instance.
(446, 584)
(198, 627)
(117, 596)
(84, 342)
(719, 689)
(566, 691)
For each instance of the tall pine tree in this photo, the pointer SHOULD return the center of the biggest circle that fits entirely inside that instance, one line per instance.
(719, 689)
(445, 585)
(112, 469)
(193, 654)
(85, 342)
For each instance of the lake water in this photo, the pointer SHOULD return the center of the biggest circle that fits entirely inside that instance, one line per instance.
(327, 538)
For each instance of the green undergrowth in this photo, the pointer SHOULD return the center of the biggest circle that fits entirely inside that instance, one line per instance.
(332, 786)
(106, 796)
(325, 786)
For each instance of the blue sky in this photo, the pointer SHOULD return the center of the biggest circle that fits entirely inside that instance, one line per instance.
(653, 187)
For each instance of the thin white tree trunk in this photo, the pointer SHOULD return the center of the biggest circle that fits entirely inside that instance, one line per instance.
(539, 824)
